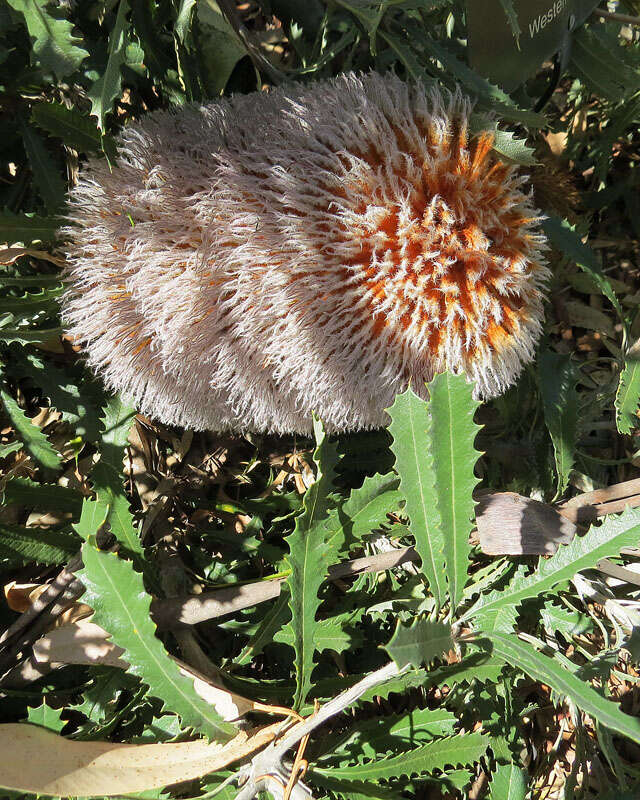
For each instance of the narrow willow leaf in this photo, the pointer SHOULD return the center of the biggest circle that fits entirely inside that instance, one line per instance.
(108, 87)
(122, 608)
(76, 130)
(410, 428)
(508, 782)
(568, 242)
(27, 228)
(309, 559)
(107, 473)
(560, 401)
(583, 552)
(452, 433)
(437, 755)
(20, 545)
(55, 45)
(35, 441)
(555, 675)
(42, 496)
(46, 172)
(628, 394)
(420, 643)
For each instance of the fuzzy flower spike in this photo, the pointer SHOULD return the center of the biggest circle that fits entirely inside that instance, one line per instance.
(310, 249)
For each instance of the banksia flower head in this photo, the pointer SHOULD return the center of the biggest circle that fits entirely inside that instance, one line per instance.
(311, 249)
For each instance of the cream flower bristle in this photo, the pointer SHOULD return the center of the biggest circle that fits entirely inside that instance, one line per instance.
(310, 249)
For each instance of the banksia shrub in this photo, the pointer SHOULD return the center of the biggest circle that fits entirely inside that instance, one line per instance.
(310, 249)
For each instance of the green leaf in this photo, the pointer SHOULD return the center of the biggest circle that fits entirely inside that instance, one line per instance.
(598, 59)
(107, 473)
(512, 17)
(560, 402)
(439, 754)
(108, 87)
(508, 782)
(628, 393)
(365, 509)
(309, 559)
(76, 130)
(27, 336)
(271, 623)
(31, 303)
(505, 143)
(27, 228)
(11, 447)
(122, 607)
(555, 675)
(220, 47)
(20, 545)
(46, 717)
(452, 433)
(335, 633)
(54, 44)
(78, 404)
(35, 441)
(42, 496)
(583, 552)
(421, 643)
(46, 173)
(567, 241)
(92, 518)
(412, 440)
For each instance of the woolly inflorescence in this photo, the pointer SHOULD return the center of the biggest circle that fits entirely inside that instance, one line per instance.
(313, 249)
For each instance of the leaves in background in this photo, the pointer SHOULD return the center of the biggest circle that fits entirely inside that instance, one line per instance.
(20, 545)
(46, 172)
(560, 402)
(76, 130)
(628, 394)
(108, 87)
(27, 228)
(35, 441)
(55, 45)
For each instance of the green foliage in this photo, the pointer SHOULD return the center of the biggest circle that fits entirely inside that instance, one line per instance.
(229, 514)
(121, 606)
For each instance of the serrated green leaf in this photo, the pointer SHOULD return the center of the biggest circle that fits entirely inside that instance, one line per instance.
(421, 643)
(597, 58)
(11, 447)
(508, 782)
(436, 755)
(560, 402)
(451, 409)
(35, 441)
(42, 496)
(55, 45)
(108, 86)
(92, 517)
(558, 619)
(31, 303)
(355, 790)
(29, 336)
(627, 399)
(122, 607)
(20, 545)
(76, 130)
(512, 17)
(505, 143)
(566, 240)
(46, 173)
(335, 633)
(555, 675)
(365, 509)
(309, 559)
(271, 623)
(411, 431)
(46, 717)
(107, 473)
(27, 228)
(583, 552)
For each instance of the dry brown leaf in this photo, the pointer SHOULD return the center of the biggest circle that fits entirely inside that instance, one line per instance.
(38, 761)
(21, 596)
(9, 255)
